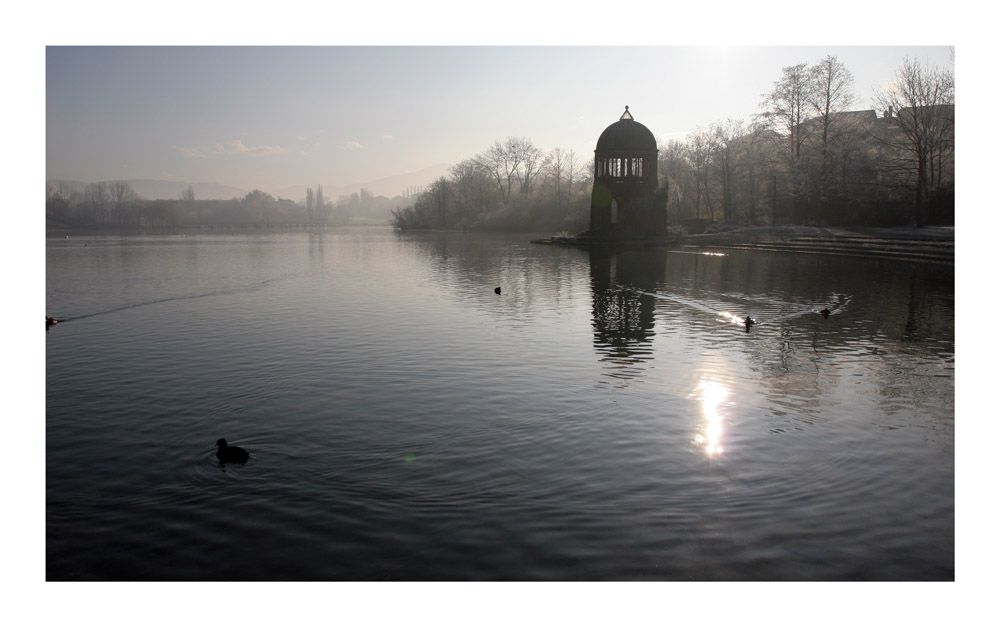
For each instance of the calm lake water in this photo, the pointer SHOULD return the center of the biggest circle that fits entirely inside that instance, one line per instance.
(606, 417)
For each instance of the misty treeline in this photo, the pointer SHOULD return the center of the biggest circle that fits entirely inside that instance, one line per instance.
(511, 186)
(807, 156)
(105, 203)
(114, 204)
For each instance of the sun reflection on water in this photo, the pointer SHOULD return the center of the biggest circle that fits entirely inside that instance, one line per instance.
(729, 317)
(712, 395)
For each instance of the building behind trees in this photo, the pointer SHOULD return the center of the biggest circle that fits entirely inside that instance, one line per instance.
(807, 158)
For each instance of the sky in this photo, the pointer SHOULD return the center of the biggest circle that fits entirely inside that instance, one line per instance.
(275, 117)
(263, 118)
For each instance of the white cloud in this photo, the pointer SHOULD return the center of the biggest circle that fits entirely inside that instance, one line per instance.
(307, 144)
(193, 153)
(236, 147)
(387, 137)
(351, 145)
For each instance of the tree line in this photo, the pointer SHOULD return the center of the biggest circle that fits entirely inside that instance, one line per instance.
(116, 205)
(106, 204)
(807, 156)
(512, 185)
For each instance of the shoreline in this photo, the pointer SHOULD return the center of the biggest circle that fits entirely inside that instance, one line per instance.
(928, 244)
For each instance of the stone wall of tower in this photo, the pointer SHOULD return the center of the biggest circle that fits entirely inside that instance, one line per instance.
(626, 180)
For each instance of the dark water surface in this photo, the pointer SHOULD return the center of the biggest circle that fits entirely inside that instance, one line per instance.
(606, 417)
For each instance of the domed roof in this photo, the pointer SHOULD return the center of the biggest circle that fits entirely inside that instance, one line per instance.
(626, 135)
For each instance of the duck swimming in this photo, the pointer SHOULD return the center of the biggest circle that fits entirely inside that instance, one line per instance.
(825, 312)
(497, 290)
(230, 454)
(749, 322)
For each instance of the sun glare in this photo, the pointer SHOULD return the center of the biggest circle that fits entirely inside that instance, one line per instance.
(733, 318)
(712, 395)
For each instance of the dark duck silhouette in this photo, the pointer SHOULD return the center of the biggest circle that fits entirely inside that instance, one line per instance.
(49, 321)
(825, 312)
(230, 454)
(749, 322)
(497, 290)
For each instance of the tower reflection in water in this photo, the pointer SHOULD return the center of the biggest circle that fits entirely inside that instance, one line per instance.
(624, 306)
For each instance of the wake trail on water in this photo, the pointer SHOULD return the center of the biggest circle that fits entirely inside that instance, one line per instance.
(253, 287)
(838, 305)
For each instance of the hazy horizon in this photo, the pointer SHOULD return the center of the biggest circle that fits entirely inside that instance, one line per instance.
(164, 189)
(274, 118)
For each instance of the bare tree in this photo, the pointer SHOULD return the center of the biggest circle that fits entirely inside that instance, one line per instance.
(56, 204)
(504, 161)
(555, 167)
(322, 210)
(531, 158)
(572, 172)
(832, 92)
(785, 107)
(700, 154)
(725, 143)
(759, 162)
(97, 199)
(497, 162)
(122, 198)
(675, 167)
(920, 100)
(475, 191)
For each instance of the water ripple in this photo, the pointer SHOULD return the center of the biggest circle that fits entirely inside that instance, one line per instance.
(606, 416)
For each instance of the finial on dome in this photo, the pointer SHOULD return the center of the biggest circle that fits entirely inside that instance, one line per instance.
(626, 115)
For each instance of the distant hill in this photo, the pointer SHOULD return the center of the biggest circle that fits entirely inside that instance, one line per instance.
(389, 186)
(171, 190)
(65, 186)
(152, 189)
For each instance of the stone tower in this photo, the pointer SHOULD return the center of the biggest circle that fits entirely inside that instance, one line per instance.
(625, 201)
